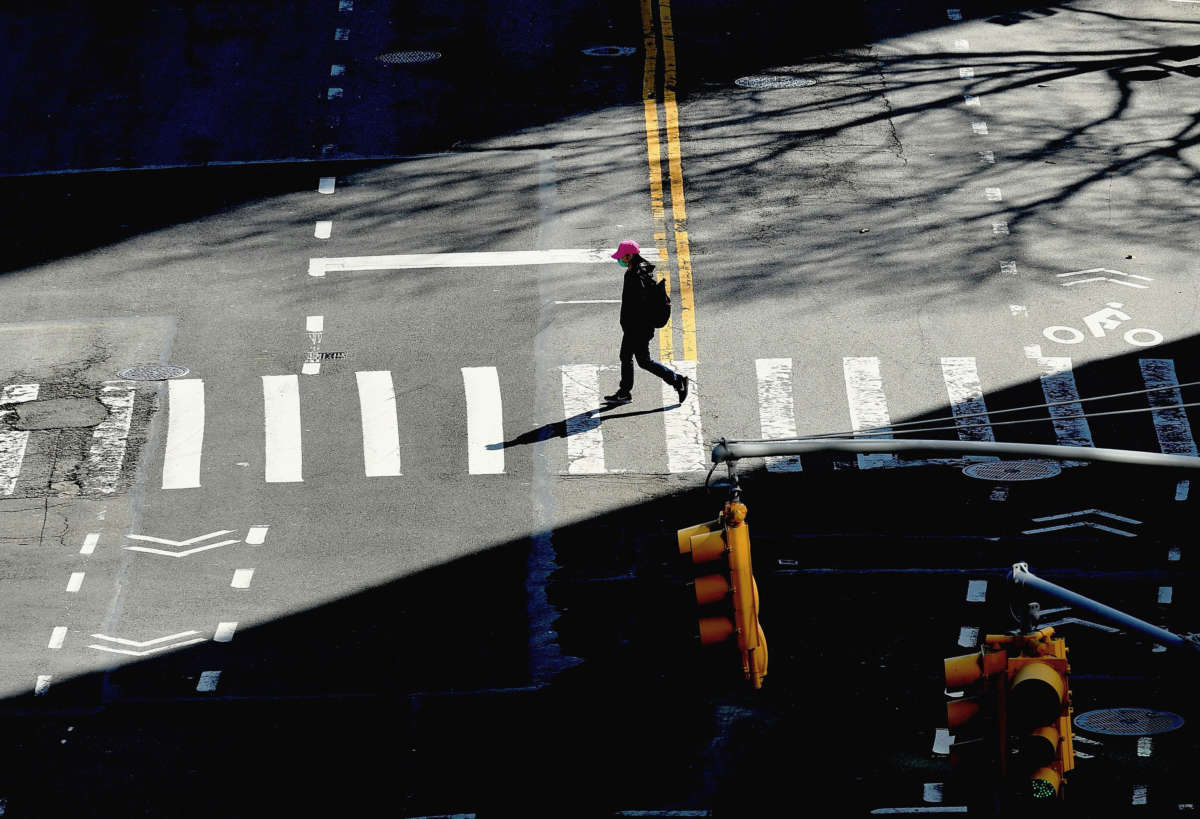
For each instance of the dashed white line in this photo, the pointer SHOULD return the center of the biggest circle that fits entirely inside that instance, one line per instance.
(942, 740)
(208, 681)
(336, 70)
(976, 591)
(966, 73)
(241, 578)
(224, 632)
(1000, 228)
(1174, 553)
(993, 194)
(968, 637)
(1008, 268)
(41, 686)
(1165, 593)
(1181, 490)
(89, 543)
(341, 34)
(323, 230)
(334, 93)
(256, 535)
(327, 184)
(1139, 795)
(971, 99)
(76, 582)
(987, 156)
(979, 128)
(933, 792)
(57, 636)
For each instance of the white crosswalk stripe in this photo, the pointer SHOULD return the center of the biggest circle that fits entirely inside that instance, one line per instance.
(581, 398)
(283, 459)
(776, 408)
(1170, 425)
(185, 434)
(380, 428)
(13, 443)
(485, 421)
(107, 454)
(966, 399)
(868, 406)
(686, 451)
(1058, 384)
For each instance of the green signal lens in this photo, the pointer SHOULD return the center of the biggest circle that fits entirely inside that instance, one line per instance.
(1041, 789)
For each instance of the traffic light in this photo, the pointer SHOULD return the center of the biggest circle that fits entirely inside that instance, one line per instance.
(975, 719)
(1039, 716)
(727, 539)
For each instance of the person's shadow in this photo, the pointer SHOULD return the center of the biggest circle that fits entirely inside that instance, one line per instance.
(584, 421)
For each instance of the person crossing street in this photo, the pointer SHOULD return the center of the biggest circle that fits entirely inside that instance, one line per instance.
(637, 326)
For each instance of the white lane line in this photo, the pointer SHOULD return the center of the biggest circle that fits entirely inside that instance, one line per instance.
(1018, 310)
(281, 423)
(999, 493)
(979, 128)
(868, 406)
(966, 398)
(1140, 793)
(966, 73)
(57, 636)
(942, 740)
(1009, 268)
(314, 326)
(42, 685)
(1165, 593)
(341, 34)
(954, 14)
(1000, 228)
(256, 535)
(1181, 490)
(993, 194)
(241, 578)
(1033, 350)
(337, 70)
(323, 230)
(777, 408)
(327, 184)
(1144, 746)
(345, 5)
(581, 399)
(1174, 553)
(685, 442)
(988, 157)
(976, 591)
(590, 301)
(185, 434)
(1170, 425)
(89, 543)
(927, 809)
(208, 680)
(971, 99)
(1058, 384)
(968, 637)
(103, 465)
(76, 582)
(334, 93)
(502, 258)
(932, 792)
(485, 421)
(380, 429)
(12, 443)
(224, 632)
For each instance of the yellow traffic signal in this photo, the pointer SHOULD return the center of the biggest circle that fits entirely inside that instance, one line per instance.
(975, 719)
(727, 539)
(1039, 715)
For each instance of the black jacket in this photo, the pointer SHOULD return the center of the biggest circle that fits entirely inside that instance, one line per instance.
(639, 276)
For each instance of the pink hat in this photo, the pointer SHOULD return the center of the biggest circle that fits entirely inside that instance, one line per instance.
(627, 246)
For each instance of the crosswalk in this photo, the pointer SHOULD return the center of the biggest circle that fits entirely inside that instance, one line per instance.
(583, 449)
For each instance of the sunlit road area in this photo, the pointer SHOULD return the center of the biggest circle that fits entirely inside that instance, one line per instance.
(310, 500)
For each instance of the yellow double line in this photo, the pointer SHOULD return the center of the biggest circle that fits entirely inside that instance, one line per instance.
(653, 34)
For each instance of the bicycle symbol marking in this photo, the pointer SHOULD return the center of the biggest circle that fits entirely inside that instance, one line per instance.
(1108, 318)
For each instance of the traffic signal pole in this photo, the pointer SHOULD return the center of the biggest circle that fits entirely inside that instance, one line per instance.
(1021, 576)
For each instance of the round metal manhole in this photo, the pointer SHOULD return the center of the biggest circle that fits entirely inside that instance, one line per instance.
(1012, 470)
(409, 57)
(1128, 722)
(152, 372)
(769, 82)
(609, 51)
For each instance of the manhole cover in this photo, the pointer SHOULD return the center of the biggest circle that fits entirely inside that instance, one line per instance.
(767, 82)
(609, 51)
(1128, 722)
(152, 372)
(1012, 470)
(409, 57)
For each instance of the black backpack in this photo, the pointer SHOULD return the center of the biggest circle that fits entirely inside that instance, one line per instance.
(657, 301)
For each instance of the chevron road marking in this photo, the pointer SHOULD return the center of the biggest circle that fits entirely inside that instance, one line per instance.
(1082, 512)
(126, 642)
(185, 553)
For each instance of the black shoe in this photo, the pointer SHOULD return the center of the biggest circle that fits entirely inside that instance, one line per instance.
(618, 397)
(681, 387)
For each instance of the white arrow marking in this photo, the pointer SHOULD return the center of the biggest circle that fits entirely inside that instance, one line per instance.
(1087, 512)
(1100, 526)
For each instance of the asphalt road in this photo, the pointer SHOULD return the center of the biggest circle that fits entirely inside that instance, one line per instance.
(378, 546)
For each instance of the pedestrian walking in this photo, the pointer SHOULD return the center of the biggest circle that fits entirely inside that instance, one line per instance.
(637, 325)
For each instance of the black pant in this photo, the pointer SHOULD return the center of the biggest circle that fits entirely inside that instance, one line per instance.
(637, 346)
